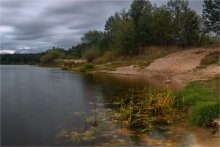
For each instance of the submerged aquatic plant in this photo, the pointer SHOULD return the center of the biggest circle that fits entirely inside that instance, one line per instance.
(165, 100)
(139, 107)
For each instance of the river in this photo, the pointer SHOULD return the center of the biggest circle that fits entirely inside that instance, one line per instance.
(49, 106)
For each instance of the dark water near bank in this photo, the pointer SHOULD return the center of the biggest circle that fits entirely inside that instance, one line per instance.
(48, 106)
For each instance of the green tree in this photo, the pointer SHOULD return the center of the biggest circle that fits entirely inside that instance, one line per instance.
(161, 26)
(177, 9)
(90, 54)
(185, 22)
(109, 27)
(76, 51)
(140, 12)
(92, 38)
(123, 34)
(191, 29)
(211, 12)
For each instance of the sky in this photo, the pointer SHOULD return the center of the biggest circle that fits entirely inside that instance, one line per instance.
(37, 25)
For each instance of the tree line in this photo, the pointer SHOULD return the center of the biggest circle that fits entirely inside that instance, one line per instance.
(32, 58)
(129, 32)
(143, 24)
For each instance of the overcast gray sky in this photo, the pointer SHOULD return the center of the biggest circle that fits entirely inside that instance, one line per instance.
(37, 25)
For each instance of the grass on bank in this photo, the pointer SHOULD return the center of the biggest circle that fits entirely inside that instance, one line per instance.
(204, 112)
(193, 93)
(202, 97)
(212, 58)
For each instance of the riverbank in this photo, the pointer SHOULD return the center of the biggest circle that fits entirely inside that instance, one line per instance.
(177, 69)
(174, 67)
(180, 67)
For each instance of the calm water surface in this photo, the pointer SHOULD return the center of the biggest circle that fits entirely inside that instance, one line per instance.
(48, 106)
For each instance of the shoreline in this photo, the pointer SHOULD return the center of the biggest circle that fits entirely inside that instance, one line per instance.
(152, 77)
(180, 68)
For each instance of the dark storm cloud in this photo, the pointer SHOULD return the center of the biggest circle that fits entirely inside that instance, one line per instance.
(37, 25)
(41, 24)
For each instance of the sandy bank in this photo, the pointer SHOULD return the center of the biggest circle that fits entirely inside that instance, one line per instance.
(179, 67)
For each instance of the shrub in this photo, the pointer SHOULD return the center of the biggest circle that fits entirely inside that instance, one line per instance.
(87, 67)
(50, 56)
(106, 57)
(90, 54)
(203, 112)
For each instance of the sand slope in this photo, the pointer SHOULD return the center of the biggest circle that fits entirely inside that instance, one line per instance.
(180, 67)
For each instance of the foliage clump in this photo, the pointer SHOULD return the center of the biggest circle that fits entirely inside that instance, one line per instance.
(87, 67)
(90, 55)
(51, 55)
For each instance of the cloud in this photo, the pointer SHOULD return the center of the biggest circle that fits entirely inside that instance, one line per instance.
(7, 51)
(40, 24)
